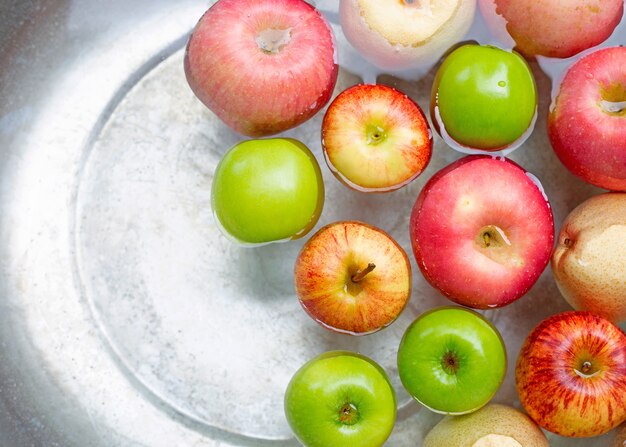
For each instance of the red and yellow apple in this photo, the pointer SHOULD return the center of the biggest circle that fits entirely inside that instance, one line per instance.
(352, 278)
(404, 33)
(571, 374)
(587, 124)
(589, 261)
(482, 231)
(262, 66)
(375, 138)
(553, 28)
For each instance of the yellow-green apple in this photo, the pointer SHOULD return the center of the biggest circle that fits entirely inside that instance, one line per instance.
(262, 66)
(340, 399)
(482, 231)
(375, 138)
(571, 374)
(589, 261)
(494, 425)
(267, 190)
(452, 360)
(483, 98)
(352, 278)
(402, 34)
(554, 28)
(587, 124)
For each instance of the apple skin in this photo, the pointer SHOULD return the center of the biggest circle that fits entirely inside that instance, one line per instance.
(589, 261)
(469, 198)
(554, 28)
(375, 138)
(266, 191)
(559, 391)
(398, 35)
(321, 389)
(485, 97)
(588, 138)
(255, 91)
(494, 425)
(452, 360)
(326, 265)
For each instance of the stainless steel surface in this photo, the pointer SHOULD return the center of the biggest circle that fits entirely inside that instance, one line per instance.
(125, 318)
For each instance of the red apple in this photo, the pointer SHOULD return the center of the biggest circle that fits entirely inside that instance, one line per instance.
(375, 138)
(571, 374)
(262, 66)
(587, 125)
(553, 28)
(353, 278)
(482, 231)
(589, 261)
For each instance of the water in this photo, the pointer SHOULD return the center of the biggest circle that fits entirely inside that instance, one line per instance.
(497, 36)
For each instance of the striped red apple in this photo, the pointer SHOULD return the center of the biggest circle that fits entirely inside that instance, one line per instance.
(571, 374)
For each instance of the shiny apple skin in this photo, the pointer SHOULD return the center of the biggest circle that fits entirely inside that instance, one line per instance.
(485, 96)
(554, 28)
(321, 387)
(589, 140)
(323, 272)
(451, 211)
(256, 93)
(589, 261)
(375, 138)
(452, 360)
(551, 386)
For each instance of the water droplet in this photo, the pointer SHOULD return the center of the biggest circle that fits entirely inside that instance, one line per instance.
(502, 84)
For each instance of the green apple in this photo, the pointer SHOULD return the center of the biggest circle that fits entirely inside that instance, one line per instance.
(484, 98)
(452, 360)
(267, 190)
(341, 398)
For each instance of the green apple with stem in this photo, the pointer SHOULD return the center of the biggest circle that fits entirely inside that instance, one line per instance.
(267, 190)
(452, 360)
(484, 98)
(341, 398)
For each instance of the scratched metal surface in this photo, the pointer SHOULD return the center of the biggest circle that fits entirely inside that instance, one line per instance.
(125, 318)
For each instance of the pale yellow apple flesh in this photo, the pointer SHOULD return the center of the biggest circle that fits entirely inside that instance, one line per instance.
(401, 34)
(492, 426)
(589, 262)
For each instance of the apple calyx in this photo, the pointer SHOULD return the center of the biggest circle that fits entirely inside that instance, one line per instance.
(450, 363)
(273, 40)
(361, 274)
(375, 135)
(348, 414)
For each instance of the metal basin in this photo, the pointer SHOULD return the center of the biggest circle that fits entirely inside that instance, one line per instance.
(125, 318)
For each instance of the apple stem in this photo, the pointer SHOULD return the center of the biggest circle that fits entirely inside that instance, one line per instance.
(586, 368)
(360, 274)
(487, 239)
